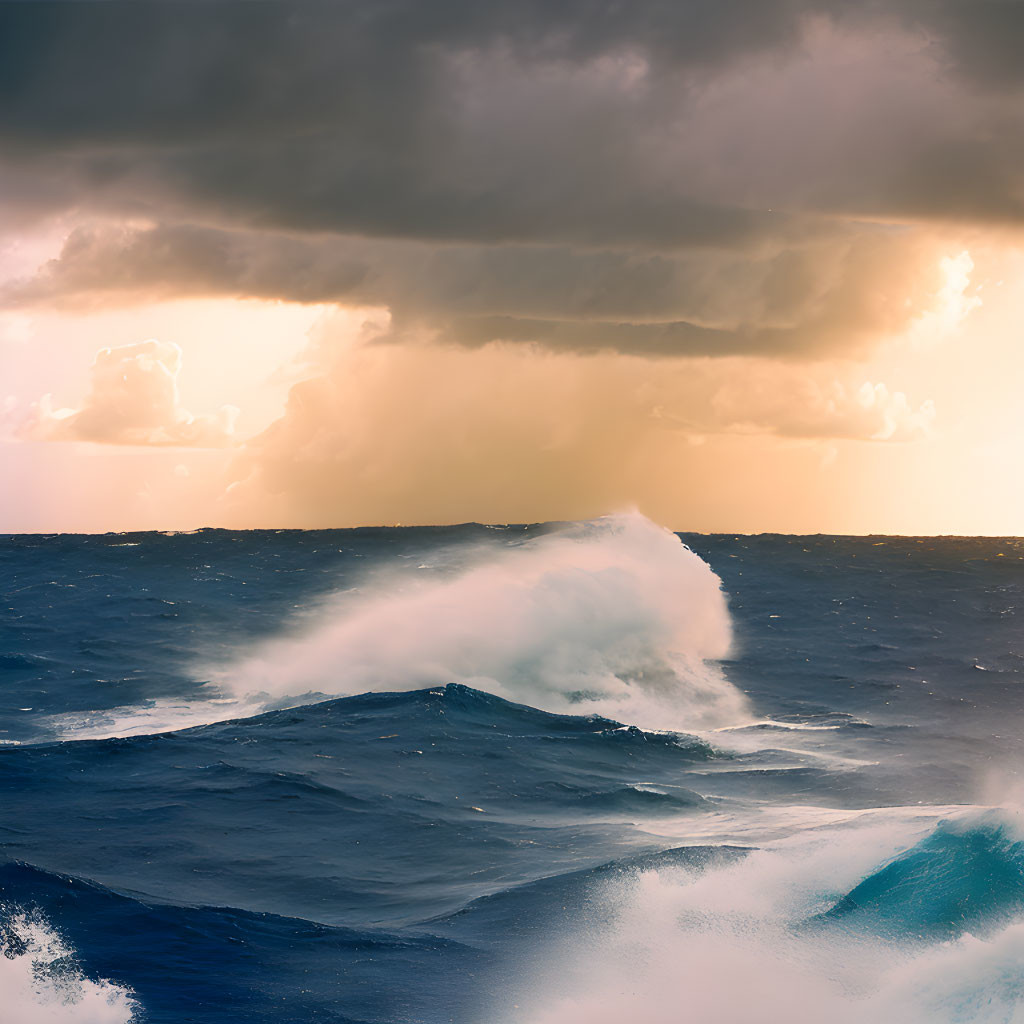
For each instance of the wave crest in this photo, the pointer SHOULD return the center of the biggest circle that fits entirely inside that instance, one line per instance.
(615, 617)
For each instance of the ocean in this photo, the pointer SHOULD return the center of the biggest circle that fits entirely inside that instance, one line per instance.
(564, 774)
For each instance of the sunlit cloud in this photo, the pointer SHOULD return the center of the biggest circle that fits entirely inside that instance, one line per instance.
(133, 400)
(953, 302)
(802, 406)
(433, 433)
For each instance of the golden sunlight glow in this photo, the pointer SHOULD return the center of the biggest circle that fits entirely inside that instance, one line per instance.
(421, 431)
(952, 301)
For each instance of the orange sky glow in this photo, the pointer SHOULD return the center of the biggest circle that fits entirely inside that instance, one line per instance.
(752, 290)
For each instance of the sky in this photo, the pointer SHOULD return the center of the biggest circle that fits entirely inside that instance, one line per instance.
(746, 265)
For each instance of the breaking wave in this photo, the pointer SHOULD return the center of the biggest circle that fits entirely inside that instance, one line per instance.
(615, 617)
(920, 939)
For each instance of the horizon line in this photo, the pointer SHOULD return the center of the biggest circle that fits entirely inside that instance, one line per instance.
(5, 534)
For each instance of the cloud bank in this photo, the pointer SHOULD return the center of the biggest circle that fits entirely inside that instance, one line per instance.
(645, 123)
(719, 176)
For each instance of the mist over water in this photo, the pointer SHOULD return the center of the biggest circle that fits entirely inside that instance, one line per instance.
(534, 775)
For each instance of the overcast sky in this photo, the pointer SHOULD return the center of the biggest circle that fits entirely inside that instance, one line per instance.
(749, 265)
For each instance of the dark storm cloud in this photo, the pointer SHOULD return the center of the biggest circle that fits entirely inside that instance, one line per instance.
(170, 260)
(825, 295)
(353, 116)
(982, 38)
(552, 120)
(655, 176)
(163, 71)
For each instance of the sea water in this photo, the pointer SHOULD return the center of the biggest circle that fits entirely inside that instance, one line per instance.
(562, 774)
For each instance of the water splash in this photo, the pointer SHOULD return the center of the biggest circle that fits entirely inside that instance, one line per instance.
(614, 617)
(750, 942)
(41, 982)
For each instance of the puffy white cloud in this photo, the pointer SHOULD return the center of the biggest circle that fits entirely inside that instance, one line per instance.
(899, 420)
(133, 400)
(953, 302)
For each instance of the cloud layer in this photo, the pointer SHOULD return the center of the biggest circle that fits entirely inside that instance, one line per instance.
(597, 232)
(646, 123)
(714, 177)
(810, 300)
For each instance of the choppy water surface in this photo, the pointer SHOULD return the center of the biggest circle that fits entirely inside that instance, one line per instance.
(567, 774)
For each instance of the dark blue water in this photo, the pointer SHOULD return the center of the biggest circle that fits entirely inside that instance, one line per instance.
(472, 774)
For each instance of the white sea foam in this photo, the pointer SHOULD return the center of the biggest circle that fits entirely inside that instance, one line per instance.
(40, 982)
(730, 946)
(771, 723)
(614, 617)
(155, 716)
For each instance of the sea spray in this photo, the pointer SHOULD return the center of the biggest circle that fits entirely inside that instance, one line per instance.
(749, 941)
(41, 983)
(614, 617)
